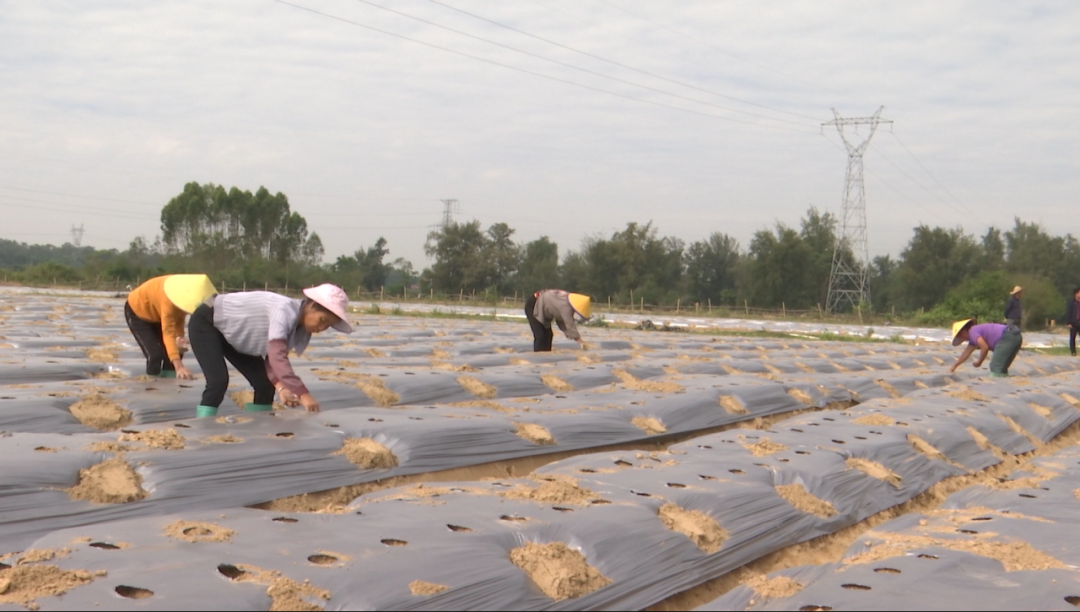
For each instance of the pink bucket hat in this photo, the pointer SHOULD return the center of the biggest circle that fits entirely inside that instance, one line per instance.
(332, 298)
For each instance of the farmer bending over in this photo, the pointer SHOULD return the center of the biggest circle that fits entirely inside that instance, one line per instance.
(1003, 340)
(255, 331)
(155, 313)
(543, 307)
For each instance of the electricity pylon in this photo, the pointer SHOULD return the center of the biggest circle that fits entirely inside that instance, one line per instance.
(849, 280)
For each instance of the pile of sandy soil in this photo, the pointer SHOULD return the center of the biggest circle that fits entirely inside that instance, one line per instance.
(367, 453)
(197, 531)
(554, 490)
(874, 469)
(222, 439)
(102, 354)
(702, 529)
(449, 367)
(764, 447)
(477, 387)
(166, 439)
(1013, 425)
(649, 425)
(888, 387)
(556, 384)
(775, 588)
(732, 405)
(984, 442)
(285, 593)
(1014, 555)
(503, 349)
(802, 500)
(426, 589)
(650, 386)
(374, 352)
(23, 584)
(876, 420)
(802, 396)
(926, 448)
(372, 386)
(111, 447)
(109, 482)
(1043, 411)
(967, 394)
(35, 555)
(533, 433)
(559, 571)
(100, 412)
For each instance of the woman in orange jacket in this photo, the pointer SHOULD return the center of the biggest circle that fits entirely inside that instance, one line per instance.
(155, 312)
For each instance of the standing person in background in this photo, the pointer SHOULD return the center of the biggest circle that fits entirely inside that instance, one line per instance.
(255, 331)
(155, 312)
(543, 307)
(1013, 309)
(1003, 340)
(1072, 319)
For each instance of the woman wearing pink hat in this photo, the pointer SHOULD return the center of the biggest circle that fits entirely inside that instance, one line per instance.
(255, 331)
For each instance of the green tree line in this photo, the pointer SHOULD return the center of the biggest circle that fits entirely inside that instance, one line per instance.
(254, 239)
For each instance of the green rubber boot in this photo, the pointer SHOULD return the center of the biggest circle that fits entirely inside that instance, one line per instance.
(249, 407)
(167, 374)
(205, 411)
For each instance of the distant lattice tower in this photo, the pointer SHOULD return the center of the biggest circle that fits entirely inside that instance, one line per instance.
(849, 281)
(76, 235)
(449, 208)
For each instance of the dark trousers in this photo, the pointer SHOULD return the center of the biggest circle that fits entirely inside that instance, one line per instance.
(1006, 350)
(150, 340)
(1074, 329)
(211, 350)
(542, 334)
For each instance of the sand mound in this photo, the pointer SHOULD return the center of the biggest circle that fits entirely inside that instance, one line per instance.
(967, 394)
(367, 453)
(926, 448)
(775, 588)
(874, 469)
(42, 555)
(889, 388)
(702, 529)
(732, 405)
(1015, 555)
(23, 584)
(1071, 399)
(503, 349)
(519, 361)
(449, 367)
(556, 384)
(111, 447)
(798, 496)
(372, 386)
(802, 396)
(557, 490)
(100, 412)
(374, 352)
(559, 571)
(102, 354)
(1043, 411)
(650, 386)
(109, 482)
(533, 433)
(222, 439)
(764, 447)
(477, 387)
(167, 439)
(242, 397)
(649, 425)
(419, 587)
(877, 420)
(285, 593)
(196, 531)
(485, 404)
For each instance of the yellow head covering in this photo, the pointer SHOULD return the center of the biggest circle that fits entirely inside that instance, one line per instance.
(959, 327)
(187, 291)
(582, 304)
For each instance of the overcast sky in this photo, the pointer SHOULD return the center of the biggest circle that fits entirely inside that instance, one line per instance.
(698, 116)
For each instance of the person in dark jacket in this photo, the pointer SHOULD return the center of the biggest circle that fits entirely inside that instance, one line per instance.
(1013, 310)
(1072, 319)
(548, 305)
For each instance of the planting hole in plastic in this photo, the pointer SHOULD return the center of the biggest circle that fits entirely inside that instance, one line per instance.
(182, 426)
(561, 509)
(104, 546)
(886, 570)
(230, 571)
(855, 587)
(393, 542)
(925, 556)
(676, 485)
(323, 559)
(1073, 599)
(458, 528)
(285, 519)
(131, 592)
(284, 434)
(737, 471)
(515, 519)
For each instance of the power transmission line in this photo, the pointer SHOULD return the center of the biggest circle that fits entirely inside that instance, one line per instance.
(619, 64)
(931, 174)
(571, 66)
(533, 73)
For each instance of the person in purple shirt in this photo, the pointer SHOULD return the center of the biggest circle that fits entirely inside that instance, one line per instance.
(1003, 340)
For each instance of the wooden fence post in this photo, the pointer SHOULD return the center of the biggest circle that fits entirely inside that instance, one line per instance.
(678, 305)
(783, 309)
(710, 305)
(746, 307)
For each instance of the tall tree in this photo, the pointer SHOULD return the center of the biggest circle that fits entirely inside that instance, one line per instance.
(459, 253)
(539, 266)
(934, 261)
(712, 267)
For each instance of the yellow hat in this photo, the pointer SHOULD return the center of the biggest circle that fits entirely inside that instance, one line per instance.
(958, 327)
(187, 291)
(1016, 289)
(582, 304)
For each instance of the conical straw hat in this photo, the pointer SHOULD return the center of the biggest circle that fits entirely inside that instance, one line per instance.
(187, 291)
(582, 304)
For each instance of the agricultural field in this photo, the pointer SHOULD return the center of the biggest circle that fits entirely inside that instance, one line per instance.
(452, 468)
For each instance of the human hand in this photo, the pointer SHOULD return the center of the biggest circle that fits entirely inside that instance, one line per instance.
(182, 344)
(977, 363)
(288, 398)
(183, 373)
(309, 403)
